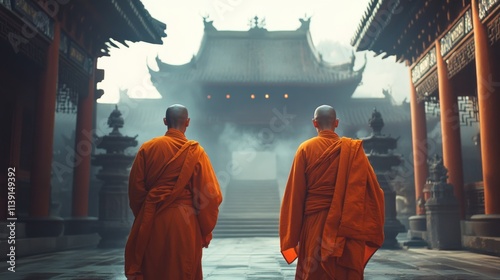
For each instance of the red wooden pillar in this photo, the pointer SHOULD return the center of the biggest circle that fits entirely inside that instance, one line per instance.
(450, 130)
(83, 148)
(419, 144)
(44, 132)
(489, 115)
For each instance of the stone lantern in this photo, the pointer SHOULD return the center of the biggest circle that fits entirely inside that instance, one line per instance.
(378, 148)
(115, 216)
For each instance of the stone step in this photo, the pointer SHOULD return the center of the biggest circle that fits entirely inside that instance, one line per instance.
(262, 222)
(266, 220)
(244, 234)
(250, 227)
(250, 209)
(246, 231)
(246, 228)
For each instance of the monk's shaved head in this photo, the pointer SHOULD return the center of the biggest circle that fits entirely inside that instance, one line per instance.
(176, 116)
(325, 117)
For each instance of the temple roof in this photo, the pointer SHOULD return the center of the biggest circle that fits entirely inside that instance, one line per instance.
(127, 21)
(404, 28)
(259, 56)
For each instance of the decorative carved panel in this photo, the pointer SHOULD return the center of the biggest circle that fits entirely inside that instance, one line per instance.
(36, 17)
(494, 30)
(70, 49)
(11, 32)
(424, 65)
(427, 87)
(461, 57)
(456, 33)
(486, 6)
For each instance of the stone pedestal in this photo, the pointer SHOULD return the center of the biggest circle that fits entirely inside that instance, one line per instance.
(417, 223)
(417, 232)
(443, 211)
(483, 225)
(481, 233)
(392, 226)
(115, 216)
(443, 223)
(379, 152)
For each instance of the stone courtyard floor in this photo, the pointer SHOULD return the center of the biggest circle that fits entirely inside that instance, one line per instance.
(259, 258)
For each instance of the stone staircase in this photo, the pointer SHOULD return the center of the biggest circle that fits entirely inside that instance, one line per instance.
(250, 209)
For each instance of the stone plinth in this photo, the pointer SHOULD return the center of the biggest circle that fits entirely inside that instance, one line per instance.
(442, 211)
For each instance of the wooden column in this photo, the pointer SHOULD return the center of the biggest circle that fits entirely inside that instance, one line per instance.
(450, 130)
(419, 144)
(83, 148)
(489, 114)
(44, 131)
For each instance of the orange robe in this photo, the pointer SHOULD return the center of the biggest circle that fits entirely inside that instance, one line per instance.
(175, 197)
(332, 214)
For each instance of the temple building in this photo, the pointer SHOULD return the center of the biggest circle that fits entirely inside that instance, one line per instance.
(49, 52)
(452, 49)
(250, 78)
(251, 96)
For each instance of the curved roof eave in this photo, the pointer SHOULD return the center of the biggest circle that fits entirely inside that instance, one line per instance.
(191, 71)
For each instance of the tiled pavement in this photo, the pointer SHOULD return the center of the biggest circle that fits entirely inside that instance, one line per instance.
(259, 258)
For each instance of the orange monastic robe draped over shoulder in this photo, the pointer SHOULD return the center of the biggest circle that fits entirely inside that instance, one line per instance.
(175, 197)
(332, 214)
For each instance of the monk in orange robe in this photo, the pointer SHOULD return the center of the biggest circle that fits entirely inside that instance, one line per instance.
(332, 213)
(175, 197)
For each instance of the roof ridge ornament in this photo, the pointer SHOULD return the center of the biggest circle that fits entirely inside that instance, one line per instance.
(257, 23)
(208, 23)
(305, 22)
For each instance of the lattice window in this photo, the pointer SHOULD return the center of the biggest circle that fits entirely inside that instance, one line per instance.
(468, 110)
(67, 100)
(432, 105)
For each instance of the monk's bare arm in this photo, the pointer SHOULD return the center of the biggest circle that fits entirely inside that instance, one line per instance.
(207, 197)
(137, 183)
